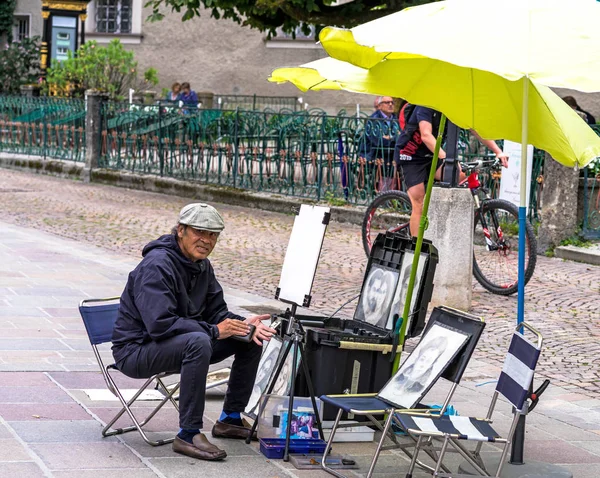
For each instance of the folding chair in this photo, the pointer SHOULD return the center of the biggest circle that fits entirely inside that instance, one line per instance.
(99, 318)
(371, 405)
(514, 384)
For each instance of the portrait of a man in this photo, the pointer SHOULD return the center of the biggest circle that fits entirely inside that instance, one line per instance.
(376, 296)
(402, 289)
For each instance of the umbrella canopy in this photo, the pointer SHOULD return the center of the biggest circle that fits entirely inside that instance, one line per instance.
(470, 98)
(553, 42)
(486, 64)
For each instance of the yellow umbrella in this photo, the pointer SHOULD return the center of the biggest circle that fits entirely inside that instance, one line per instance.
(485, 64)
(494, 111)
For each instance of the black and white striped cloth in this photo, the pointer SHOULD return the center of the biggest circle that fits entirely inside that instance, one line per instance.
(517, 373)
(461, 428)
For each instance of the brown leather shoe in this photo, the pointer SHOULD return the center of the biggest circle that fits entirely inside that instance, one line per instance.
(201, 449)
(228, 430)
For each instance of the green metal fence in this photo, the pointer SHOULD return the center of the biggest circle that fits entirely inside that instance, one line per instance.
(42, 126)
(303, 153)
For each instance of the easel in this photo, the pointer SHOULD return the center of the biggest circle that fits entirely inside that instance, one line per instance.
(297, 276)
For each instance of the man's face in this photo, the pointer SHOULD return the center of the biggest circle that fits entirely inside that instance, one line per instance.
(386, 105)
(377, 294)
(196, 244)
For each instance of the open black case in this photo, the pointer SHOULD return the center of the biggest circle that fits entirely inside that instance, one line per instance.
(354, 354)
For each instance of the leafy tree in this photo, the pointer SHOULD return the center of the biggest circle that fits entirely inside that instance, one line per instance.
(289, 15)
(7, 9)
(111, 69)
(19, 65)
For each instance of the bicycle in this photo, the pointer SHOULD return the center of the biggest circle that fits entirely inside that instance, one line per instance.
(495, 248)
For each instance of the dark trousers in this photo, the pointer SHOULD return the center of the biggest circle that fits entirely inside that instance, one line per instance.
(190, 355)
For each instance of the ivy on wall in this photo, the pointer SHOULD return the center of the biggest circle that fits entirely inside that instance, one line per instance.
(7, 10)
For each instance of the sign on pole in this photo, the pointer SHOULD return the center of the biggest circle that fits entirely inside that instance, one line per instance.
(510, 183)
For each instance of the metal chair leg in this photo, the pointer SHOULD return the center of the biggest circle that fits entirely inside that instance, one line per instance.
(384, 433)
(413, 461)
(328, 447)
(438, 465)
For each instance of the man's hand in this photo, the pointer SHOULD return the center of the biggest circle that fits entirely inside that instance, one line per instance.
(262, 331)
(229, 327)
(503, 157)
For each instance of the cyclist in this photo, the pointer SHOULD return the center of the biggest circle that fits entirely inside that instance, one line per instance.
(414, 153)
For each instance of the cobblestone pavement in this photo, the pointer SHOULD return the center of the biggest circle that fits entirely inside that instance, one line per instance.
(562, 299)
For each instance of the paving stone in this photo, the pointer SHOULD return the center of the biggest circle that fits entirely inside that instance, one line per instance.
(23, 469)
(22, 379)
(103, 473)
(558, 452)
(19, 395)
(40, 412)
(12, 450)
(60, 431)
(71, 456)
(233, 466)
(32, 344)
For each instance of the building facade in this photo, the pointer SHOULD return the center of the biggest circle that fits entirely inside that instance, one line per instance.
(217, 56)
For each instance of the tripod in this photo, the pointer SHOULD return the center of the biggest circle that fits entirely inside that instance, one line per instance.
(295, 338)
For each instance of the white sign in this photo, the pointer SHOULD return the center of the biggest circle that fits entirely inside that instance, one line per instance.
(510, 183)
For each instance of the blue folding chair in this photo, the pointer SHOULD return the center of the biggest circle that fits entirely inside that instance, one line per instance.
(99, 316)
(514, 384)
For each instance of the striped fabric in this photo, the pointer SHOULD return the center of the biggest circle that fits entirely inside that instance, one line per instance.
(517, 372)
(462, 428)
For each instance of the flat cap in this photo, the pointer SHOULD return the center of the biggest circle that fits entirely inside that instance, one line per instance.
(201, 216)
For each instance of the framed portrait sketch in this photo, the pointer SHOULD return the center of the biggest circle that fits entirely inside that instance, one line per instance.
(418, 373)
(376, 296)
(402, 288)
(266, 368)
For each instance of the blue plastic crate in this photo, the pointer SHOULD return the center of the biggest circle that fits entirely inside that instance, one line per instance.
(274, 448)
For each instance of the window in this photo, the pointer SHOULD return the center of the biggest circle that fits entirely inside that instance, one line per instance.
(20, 27)
(300, 35)
(113, 16)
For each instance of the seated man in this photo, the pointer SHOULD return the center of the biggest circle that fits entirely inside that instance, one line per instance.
(173, 319)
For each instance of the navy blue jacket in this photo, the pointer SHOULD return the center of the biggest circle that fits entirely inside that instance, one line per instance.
(166, 295)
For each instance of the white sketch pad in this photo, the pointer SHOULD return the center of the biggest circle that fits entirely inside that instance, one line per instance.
(302, 254)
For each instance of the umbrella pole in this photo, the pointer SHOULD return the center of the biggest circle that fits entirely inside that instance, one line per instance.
(518, 442)
(422, 226)
(523, 203)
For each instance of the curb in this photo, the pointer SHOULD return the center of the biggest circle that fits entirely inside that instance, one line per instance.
(588, 255)
(175, 187)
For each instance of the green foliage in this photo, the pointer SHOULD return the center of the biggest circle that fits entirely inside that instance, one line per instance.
(7, 10)
(19, 65)
(576, 240)
(289, 15)
(332, 200)
(111, 70)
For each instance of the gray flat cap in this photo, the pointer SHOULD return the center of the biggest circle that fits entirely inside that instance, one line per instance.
(201, 216)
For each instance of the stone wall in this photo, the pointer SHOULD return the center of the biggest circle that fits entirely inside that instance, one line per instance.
(33, 8)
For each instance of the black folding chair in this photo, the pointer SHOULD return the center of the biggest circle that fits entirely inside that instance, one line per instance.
(514, 384)
(99, 316)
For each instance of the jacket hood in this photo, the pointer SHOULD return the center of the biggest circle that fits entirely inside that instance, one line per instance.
(168, 242)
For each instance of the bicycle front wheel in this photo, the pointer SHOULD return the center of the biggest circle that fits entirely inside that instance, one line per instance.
(389, 211)
(496, 247)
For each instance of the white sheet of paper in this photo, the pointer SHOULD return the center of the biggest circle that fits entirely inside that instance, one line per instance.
(302, 254)
(510, 183)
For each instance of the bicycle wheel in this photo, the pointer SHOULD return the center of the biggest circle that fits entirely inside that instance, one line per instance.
(389, 211)
(495, 251)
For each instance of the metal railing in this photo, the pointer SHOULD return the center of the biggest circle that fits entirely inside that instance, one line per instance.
(43, 126)
(300, 153)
